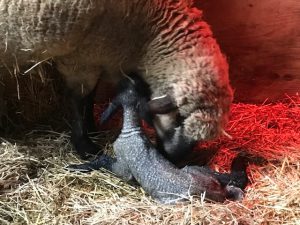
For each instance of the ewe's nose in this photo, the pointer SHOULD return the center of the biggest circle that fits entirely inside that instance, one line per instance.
(174, 145)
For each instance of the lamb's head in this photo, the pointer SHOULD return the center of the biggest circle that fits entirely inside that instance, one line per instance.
(132, 92)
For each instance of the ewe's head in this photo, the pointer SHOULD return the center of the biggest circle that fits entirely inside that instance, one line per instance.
(195, 106)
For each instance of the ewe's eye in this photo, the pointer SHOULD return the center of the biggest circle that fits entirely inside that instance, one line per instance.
(179, 119)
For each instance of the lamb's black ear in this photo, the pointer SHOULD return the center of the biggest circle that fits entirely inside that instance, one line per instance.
(109, 111)
(162, 105)
(239, 177)
(144, 111)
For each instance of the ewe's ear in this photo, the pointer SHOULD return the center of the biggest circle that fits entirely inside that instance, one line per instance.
(162, 105)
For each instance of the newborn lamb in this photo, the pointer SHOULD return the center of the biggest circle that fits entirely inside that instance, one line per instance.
(138, 159)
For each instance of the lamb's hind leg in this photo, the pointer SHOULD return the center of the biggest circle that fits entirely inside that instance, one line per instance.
(118, 167)
(218, 187)
(238, 176)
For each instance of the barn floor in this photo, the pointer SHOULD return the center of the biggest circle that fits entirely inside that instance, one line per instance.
(35, 189)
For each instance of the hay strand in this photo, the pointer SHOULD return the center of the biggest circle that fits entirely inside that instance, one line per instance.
(35, 189)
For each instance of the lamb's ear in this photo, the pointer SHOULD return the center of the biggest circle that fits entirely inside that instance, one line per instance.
(144, 111)
(162, 105)
(109, 111)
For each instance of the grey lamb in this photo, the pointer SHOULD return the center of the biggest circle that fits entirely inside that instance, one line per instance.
(137, 158)
(167, 42)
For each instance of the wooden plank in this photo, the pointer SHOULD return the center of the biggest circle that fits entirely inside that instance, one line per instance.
(261, 39)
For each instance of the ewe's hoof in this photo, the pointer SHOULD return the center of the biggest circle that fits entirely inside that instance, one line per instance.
(84, 145)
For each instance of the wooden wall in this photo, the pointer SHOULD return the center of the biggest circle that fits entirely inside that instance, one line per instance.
(261, 39)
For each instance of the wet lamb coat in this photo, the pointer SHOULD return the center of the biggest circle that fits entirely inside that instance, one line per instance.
(136, 158)
(165, 41)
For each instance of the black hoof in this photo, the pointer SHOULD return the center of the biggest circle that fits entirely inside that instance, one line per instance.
(85, 146)
(102, 161)
(83, 168)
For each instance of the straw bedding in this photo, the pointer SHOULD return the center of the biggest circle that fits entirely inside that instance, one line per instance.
(35, 189)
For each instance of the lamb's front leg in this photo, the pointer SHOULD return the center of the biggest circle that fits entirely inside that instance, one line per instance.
(118, 167)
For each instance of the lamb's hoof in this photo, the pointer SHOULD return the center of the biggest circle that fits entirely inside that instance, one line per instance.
(83, 168)
(84, 145)
(234, 193)
(102, 161)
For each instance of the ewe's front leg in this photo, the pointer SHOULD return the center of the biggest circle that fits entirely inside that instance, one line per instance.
(82, 122)
(81, 81)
